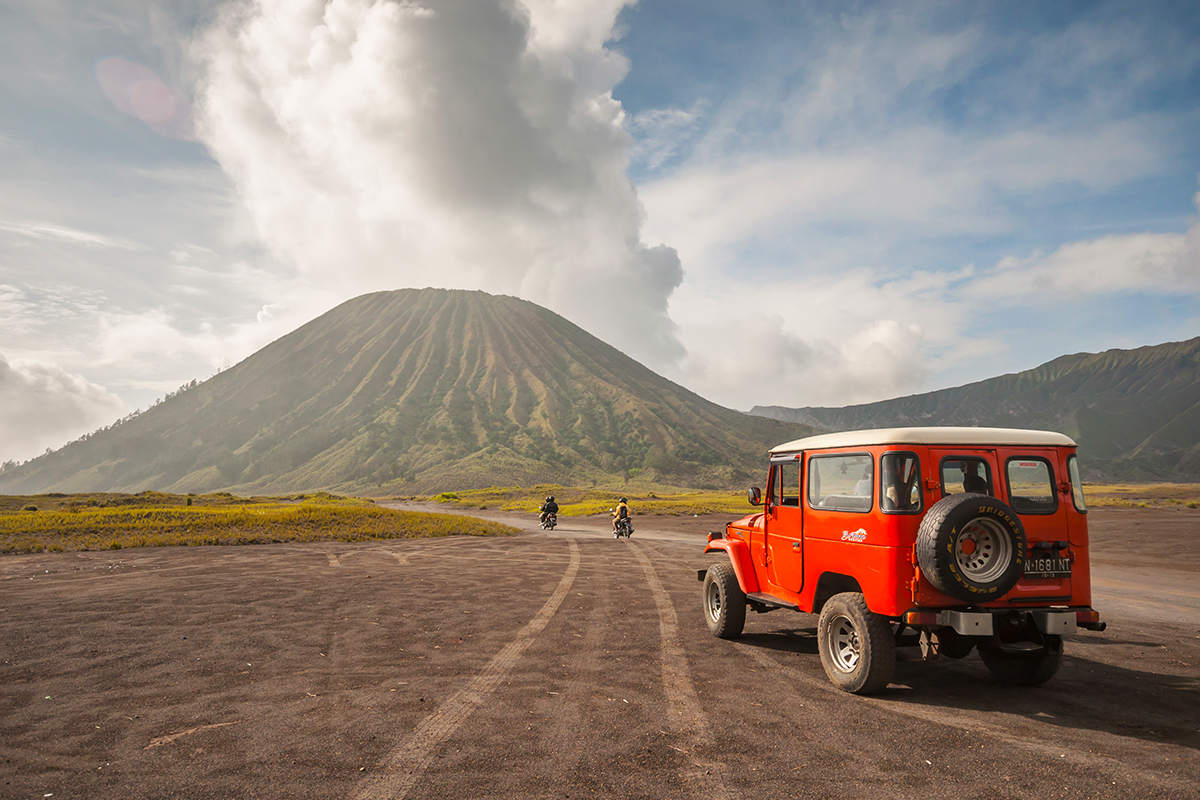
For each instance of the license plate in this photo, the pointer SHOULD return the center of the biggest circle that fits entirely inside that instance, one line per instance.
(1040, 566)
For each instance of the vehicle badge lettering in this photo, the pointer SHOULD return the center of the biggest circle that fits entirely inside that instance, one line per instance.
(854, 536)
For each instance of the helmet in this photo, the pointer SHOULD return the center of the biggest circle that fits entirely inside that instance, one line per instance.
(622, 500)
(550, 499)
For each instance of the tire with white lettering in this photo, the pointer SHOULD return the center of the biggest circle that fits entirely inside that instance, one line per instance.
(971, 547)
(1031, 667)
(724, 602)
(858, 649)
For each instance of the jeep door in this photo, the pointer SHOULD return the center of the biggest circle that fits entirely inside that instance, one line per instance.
(1031, 478)
(785, 525)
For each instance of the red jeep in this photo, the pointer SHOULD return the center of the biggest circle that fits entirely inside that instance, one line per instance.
(946, 539)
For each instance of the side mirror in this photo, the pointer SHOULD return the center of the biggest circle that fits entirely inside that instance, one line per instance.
(754, 495)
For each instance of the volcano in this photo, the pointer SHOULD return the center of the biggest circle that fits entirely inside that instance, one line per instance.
(418, 391)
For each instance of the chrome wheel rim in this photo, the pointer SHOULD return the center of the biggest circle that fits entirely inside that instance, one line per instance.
(843, 643)
(983, 550)
(712, 601)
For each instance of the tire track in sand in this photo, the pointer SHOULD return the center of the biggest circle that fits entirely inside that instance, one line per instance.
(406, 763)
(685, 718)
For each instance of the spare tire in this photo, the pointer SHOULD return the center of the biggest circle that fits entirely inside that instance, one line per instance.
(971, 547)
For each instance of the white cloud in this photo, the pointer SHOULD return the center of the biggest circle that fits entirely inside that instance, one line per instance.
(662, 132)
(50, 232)
(754, 358)
(141, 353)
(42, 406)
(1139, 263)
(1153, 263)
(138, 344)
(915, 184)
(466, 145)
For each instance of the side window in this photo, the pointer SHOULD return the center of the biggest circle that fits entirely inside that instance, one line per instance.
(966, 474)
(789, 490)
(900, 483)
(841, 483)
(773, 487)
(1031, 486)
(1076, 485)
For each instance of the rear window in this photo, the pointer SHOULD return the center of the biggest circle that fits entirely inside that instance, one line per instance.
(965, 474)
(841, 482)
(1031, 486)
(1076, 485)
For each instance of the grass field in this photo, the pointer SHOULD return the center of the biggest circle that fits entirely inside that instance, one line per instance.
(56, 522)
(155, 519)
(574, 502)
(1142, 495)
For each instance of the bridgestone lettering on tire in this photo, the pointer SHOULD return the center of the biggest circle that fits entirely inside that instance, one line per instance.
(971, 547)
(724, 602)
(858, 649)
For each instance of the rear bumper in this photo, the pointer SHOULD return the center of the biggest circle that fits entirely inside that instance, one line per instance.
(984, 622)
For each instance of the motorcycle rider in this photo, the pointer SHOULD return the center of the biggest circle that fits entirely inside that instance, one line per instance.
(549, 507)
(620, 513)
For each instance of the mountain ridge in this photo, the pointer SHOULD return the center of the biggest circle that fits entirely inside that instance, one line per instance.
(1134, 413)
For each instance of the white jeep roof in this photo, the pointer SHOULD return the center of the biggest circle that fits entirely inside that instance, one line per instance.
(928, 436)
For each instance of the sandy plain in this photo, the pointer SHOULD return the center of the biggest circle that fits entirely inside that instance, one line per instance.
(557, 665)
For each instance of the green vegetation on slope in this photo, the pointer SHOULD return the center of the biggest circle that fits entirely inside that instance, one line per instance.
(413, 392)
(1134, 413)
(83, 523)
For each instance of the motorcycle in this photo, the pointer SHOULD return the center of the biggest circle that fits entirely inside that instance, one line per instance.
(550, 521)
(624, 528)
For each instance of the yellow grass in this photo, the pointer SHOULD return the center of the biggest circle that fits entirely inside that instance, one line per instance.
(575, 502)
(1142, 495)
(161, 521)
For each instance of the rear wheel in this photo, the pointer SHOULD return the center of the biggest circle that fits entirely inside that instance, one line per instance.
(1031, 665)
(858, 649)
(952, 644)
(724, 602)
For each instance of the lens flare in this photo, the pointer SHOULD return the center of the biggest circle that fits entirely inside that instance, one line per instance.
(137, 90)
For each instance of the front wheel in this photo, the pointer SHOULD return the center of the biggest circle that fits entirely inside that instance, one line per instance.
(1030, 667)
(857, 647)
(724, 602)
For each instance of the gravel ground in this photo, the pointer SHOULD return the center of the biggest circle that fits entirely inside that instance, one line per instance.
(557, 665)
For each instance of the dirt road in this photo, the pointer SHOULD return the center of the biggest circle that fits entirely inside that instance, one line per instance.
(556, 665)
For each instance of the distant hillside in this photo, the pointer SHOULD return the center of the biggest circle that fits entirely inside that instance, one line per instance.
(418, 391)
(1134, 413)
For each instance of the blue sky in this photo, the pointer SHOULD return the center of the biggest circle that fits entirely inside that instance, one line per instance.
(771, 203)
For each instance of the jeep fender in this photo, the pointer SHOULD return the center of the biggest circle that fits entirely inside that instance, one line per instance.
(830, 584)
(739, 556)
